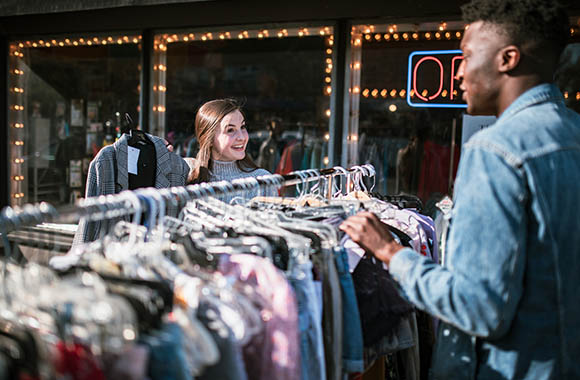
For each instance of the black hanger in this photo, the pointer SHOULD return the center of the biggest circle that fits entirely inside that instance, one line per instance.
(136, 136)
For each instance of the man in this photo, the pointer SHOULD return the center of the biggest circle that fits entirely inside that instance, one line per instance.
(508, 292)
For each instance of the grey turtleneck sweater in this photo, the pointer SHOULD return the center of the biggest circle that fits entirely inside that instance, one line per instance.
(228, 171)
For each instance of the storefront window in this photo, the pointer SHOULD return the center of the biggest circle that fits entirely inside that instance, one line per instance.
(67, 98)
(282, 76)
(568, 74)
(407, 116)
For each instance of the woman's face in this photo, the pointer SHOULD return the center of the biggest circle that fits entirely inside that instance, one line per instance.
(231, 138)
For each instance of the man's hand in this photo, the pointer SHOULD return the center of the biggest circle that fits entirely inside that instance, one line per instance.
(372, 235)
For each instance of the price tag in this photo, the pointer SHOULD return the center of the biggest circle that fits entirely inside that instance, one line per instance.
(132, 159)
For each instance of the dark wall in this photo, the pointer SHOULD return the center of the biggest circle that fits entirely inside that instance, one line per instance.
(221, 13)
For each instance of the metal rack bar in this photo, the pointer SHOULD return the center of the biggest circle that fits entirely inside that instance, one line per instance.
(128, 202)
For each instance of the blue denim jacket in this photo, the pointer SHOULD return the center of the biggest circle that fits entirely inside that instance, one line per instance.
(508, 294)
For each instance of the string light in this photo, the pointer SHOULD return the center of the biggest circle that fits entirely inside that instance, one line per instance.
(18, 125)
(565, 94)
(327, 136)
(18, 178)
(366, 92)
(18, 195)
(18, 142)
(393, 93)
(327, 113)
(384, 92)
(120, 40)
(18, 160)
(375, 93)
(356, 89)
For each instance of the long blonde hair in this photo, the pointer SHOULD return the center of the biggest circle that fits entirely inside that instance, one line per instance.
(207, 121)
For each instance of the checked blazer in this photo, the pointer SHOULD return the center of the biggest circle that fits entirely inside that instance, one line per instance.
(171, 171)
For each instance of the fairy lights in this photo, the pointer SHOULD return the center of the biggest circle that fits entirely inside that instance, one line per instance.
(17, 87)
(162, 41)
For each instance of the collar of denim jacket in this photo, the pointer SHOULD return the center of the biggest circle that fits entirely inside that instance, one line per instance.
(538, 94)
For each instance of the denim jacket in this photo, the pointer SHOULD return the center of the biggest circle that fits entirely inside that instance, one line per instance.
(508, 295)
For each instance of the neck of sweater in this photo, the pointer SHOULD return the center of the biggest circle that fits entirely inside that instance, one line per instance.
(225, 170)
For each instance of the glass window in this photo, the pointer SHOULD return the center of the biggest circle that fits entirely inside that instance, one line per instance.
(67, 97)
(568, 74)
(282, 76)
(406, 112)
(407, 116)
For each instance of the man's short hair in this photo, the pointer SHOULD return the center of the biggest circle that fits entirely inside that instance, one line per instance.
(536, 26)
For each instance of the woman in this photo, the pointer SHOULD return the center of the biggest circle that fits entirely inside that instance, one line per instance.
(220, 128)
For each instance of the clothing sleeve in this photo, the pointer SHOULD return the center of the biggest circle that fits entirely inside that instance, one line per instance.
(86, 231)
(479, 289)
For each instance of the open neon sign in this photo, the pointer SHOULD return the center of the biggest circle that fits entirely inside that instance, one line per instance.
(434, 70)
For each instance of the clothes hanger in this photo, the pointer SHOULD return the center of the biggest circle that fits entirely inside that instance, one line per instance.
(136, 136)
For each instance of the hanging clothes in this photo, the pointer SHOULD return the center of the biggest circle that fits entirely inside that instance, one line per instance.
(109, 174)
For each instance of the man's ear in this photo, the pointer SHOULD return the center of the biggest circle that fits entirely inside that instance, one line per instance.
(509, 58)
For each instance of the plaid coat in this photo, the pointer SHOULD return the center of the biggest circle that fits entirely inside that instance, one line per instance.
(172, 170)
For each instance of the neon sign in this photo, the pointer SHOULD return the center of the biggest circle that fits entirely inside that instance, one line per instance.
(430, 77)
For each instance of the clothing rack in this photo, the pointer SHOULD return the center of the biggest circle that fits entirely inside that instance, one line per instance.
(131, 202)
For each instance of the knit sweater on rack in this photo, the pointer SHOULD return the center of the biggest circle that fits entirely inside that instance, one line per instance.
(228, 171)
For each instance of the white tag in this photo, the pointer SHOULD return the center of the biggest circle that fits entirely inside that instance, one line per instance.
(132, 159)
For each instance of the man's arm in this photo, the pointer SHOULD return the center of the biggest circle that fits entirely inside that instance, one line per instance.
(478, 291)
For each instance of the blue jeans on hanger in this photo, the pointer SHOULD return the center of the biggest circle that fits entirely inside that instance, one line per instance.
(311, 343)
(166, 355)
(352, 341)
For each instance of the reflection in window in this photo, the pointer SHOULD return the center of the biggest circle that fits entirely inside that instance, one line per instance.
(412, 147)
(281, 75)
(67, 97)
(568, 73)
(416, 149)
